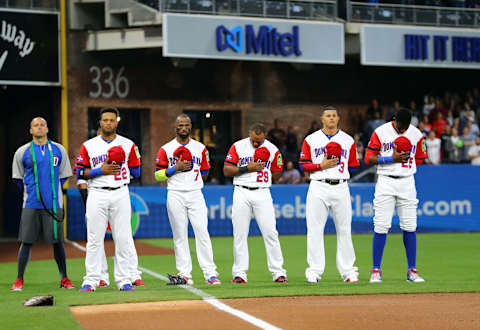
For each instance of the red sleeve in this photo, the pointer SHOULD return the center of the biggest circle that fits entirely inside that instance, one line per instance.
(134, 157)
(352, 158)
(232, 156)
(161, 162)
(277, 163)
(305, 156)
(421, 151)
(374, 147)
(205, 165)
(83, 159)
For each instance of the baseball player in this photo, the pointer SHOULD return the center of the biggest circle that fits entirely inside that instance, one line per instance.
(396, 148)
(108, 199)
(326, 155)
(40, 168)
(135, 273)
(254, 163)
(184, 163)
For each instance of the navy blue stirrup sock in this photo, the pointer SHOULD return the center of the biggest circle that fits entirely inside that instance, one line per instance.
(410, 243)
(23, 258)
(60, 258)
(378, 245)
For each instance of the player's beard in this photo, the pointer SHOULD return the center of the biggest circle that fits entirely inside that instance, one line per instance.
(183, 135)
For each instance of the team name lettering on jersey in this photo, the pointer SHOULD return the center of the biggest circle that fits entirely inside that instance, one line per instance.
(98, 160)
(173, 160)
(245, 160)
(321, 151)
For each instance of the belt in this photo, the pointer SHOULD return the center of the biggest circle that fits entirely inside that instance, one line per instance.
(249, 188)
(395, 176)
(333, 182)
(113, 188)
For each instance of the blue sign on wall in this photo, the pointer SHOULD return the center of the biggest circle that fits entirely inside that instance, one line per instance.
(447, 204)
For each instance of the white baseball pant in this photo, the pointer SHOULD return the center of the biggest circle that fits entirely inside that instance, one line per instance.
(181, 207)
(134, 272)
(321, 198)
(391, 192)
(257, 203)
(103, 206)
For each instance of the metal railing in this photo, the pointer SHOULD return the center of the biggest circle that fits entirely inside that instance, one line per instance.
(292, 9)
(31, 4)
(409, 14)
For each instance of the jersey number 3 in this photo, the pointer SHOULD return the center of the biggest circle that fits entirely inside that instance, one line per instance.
(122, 175)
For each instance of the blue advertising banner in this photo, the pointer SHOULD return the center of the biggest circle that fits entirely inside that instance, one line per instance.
(448, 195)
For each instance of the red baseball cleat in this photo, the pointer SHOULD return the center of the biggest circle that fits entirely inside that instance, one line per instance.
(138, 282)
(17, 285)
(281, 279)
(65, 283)
(238, 280)
(102, 284)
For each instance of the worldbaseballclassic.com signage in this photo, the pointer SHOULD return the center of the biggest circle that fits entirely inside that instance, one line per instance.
(257, 39)
(29, 48)
(456, 209)
(420, 47)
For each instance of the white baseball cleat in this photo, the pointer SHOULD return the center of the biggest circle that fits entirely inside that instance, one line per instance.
(352, 278)
(376, 276)
(312, 279)
(412, 276)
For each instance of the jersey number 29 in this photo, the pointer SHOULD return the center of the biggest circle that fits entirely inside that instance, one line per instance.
(262, 176)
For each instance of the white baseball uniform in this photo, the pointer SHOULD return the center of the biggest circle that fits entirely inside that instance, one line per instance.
(251, 197)
(329, 190)
(109, 200)
(135, 273)
(396, 184)
(185, 202)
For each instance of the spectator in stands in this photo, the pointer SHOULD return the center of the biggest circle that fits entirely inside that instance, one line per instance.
(438, 124)
(374, 107)
(447, 131)
(449, 118)
(474, 130)
(391, 112)
(421, 128)
(277, 136)
(429, 105)
(291, 175)
(315, 126)
(474, 152)
(475, 91)
(427, 125)
(291, 145)
(372, 125)
(433, 149)
(415, 109)
(455, 147)
(468, 141)
(439, 107)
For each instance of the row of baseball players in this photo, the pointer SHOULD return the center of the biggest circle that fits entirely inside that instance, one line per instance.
(254, 163)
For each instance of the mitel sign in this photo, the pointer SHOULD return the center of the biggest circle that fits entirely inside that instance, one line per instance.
(252, 39)
(265, 40)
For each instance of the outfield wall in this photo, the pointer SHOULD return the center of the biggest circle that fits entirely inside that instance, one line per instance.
(449, 198)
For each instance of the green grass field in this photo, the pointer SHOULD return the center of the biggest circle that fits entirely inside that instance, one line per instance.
(448, 262)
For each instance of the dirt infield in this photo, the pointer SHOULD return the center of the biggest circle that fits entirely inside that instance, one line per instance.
(408, 311)
(43, 251)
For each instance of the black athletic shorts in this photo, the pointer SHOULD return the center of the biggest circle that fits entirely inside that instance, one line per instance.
(36, 223)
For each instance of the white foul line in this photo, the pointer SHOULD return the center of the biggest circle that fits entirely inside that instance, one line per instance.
(212, 300)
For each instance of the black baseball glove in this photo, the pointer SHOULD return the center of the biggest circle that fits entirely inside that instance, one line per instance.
(39, 301)
(176, 280)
